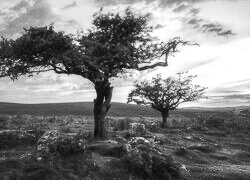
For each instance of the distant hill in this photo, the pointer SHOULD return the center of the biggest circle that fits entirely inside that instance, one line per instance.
(75, 108)
(117, 109)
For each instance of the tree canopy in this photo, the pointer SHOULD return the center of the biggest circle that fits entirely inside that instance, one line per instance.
(166, 94)
(113, 45)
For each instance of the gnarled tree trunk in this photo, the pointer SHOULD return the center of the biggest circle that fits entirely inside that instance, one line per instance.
(164, 118)
(101, 107)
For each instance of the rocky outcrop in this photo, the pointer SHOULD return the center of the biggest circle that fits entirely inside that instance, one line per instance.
(147, 161)
(137, 129)
(52, 142)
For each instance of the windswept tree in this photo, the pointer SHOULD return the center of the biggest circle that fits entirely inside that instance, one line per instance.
(114, 45)
(165, 95)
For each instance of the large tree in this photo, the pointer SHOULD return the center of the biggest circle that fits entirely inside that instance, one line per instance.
(167, 94)
(114, 45)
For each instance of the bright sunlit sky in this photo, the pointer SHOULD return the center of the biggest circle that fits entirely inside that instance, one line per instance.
(221, 62)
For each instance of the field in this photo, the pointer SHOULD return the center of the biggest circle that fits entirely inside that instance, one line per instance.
(209, 143)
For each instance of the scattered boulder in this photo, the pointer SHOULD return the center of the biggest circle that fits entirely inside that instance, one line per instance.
(137, 129)
(53, 142)
(149, 163)
(47, 144)
(134, 141)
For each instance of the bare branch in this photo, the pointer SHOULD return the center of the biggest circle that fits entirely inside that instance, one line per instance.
(167, 50)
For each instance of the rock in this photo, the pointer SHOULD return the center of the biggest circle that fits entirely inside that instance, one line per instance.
(127, 148)
(53, 142)
(134, 141)
(137, 129)
(149, 163)
(47, 144)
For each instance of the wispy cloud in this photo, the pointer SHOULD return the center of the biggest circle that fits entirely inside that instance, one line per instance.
(196, 64)
(38, 14)
(181, 7)
(159, 26)
(205, 26)
(161, 3)
(28, 13)
(73, 4)
(24, 4)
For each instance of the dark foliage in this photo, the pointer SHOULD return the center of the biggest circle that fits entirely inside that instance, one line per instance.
(11, 139)
(58, 168)
(167, 94)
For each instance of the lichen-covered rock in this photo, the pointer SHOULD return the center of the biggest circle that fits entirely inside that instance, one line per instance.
(149, 163)
(134, 141)
(127, 148)
(47, 144)
(53, 142)
(137, 129)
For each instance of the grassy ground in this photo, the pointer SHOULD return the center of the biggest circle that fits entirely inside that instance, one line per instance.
(209, 144)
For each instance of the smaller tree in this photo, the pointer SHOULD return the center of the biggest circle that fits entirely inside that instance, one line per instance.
(167, 94)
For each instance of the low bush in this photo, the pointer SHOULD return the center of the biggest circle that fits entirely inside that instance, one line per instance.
(3, 122)
(57, 168)
(13, 138)
(119, 124)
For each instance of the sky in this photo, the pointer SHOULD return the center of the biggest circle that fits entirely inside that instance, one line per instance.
(221, 61)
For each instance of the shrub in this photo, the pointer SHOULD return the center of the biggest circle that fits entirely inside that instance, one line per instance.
(56, 168)
(3, 122)
(120, 124)
(11, 139)
(215, 122)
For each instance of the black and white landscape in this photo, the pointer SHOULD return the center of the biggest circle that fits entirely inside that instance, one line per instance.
(108, 89)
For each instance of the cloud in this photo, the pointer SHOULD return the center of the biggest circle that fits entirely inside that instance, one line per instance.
(28, 13)
(226, 101)
(158, 26)
(216, 28)
(194, 11)
(194, 21)
(181, 7)
(73, 4)
(233, 98)
(195, 64)
(24, 4)
(162, 3)
(240, 87)
(39, 14)
(190, 18)
(205, 26)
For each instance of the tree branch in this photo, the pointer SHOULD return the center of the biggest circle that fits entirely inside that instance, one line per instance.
(168, 49)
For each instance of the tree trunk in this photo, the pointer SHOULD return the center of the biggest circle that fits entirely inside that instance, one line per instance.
(164, 119)
(101, 107)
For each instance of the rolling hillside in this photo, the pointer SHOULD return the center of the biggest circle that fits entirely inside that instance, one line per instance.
(117, 109)
(76, 108)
